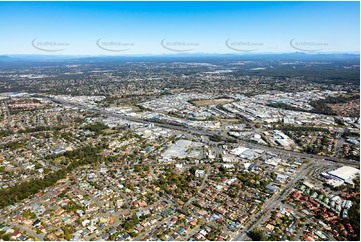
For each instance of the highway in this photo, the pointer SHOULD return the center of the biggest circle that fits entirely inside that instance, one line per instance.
(257, 219)
(211, 133)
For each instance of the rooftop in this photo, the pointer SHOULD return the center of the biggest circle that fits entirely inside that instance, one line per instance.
(345, 172)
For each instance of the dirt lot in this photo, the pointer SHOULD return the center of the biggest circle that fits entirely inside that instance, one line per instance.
(208, 102)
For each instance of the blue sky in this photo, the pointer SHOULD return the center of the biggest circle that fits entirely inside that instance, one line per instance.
(194, 27)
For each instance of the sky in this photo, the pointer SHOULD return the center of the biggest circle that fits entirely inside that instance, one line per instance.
(126, 28)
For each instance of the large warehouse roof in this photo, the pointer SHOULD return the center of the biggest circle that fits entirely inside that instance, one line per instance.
(345, 172)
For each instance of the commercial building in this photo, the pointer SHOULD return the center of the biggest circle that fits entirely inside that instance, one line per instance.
(345, 173)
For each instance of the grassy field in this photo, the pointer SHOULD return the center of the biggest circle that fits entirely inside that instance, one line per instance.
(208, 102)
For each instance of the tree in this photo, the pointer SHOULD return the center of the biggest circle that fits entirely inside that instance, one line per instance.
(6, 237)
(257, 235)
(67, 235)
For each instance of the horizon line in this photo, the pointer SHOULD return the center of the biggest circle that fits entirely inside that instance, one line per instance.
(184, 54)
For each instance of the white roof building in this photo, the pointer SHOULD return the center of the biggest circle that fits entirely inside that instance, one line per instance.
(239, 150)
(345, 173)
(347, 204)
(199, 173)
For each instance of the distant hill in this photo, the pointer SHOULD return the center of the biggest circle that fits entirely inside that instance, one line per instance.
(191, 57)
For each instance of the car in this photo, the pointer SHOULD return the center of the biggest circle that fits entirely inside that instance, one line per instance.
(335, 233)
